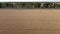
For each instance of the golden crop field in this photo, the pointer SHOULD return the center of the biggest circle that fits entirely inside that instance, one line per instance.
(29, 21)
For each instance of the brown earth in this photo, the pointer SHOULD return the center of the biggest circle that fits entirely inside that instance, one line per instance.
(29, 21)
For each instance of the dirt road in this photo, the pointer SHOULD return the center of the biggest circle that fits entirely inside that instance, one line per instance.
(31, 21)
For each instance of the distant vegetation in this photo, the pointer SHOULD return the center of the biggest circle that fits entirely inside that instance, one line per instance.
(29, 5)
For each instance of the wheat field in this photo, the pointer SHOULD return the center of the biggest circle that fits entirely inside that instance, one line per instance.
(29, 21)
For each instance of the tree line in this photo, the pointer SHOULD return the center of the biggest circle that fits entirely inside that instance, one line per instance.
(29, 5)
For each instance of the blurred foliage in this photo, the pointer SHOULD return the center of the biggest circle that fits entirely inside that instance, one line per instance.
(29, 5)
